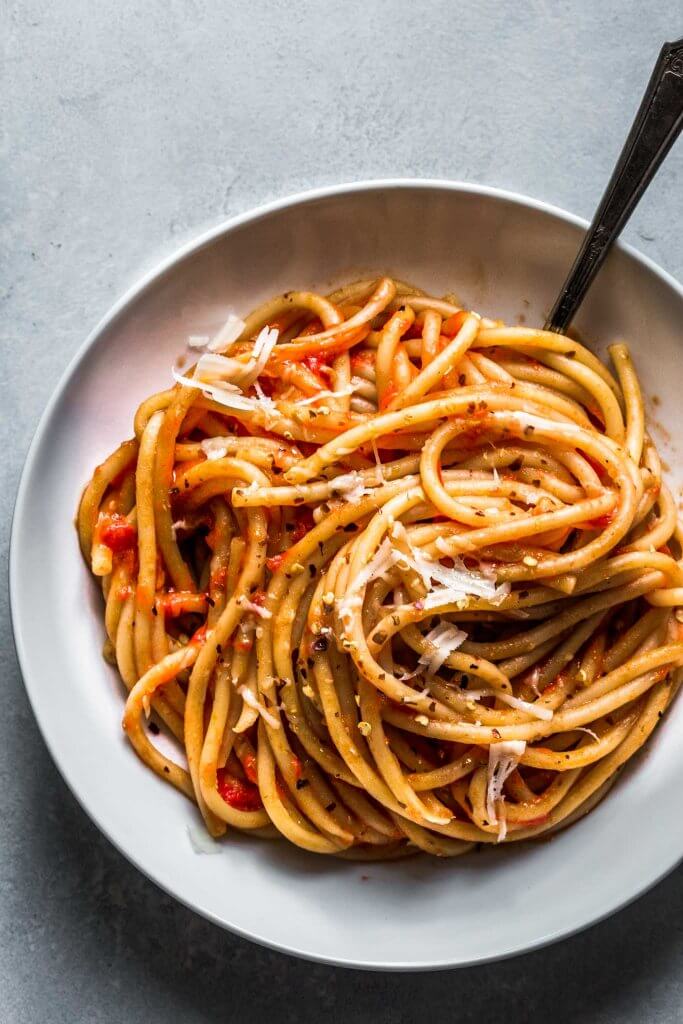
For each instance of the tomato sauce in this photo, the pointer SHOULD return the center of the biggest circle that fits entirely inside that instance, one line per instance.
(296, 767)
(248, 762)
(117, 533)
(180, 602)
(452, 325)
(388, 396)
(277, 561)
(238, 793)
(319, 365)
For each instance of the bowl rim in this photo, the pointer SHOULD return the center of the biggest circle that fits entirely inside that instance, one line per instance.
(120, 306)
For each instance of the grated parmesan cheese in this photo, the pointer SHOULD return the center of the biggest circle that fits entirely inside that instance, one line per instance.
(215, 368)
(228, 334)
(545, 714)
(218, 376)
(263, 346)
(214, 448)
(224, 393)
(265, 402)
(250, 606)
(503, 759)
(180, 524)
(456, 583)
(249, 698)
(527, 420)
(378, 566)
(350, 486)
(442, 640)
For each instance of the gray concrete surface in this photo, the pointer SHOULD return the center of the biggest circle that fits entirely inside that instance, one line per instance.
(129, 127)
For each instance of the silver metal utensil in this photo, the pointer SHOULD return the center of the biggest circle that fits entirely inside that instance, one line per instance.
(656, 127)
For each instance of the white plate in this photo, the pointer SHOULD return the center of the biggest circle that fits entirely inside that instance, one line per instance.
(504, 255)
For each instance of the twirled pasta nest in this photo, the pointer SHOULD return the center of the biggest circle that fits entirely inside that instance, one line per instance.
(394, 575)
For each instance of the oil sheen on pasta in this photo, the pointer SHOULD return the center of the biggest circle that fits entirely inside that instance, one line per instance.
(396, 577)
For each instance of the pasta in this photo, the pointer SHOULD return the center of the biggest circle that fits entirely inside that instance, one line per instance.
(395, 576)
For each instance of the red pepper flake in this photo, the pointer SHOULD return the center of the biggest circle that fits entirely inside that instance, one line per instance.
(304, 523)
(237, 793)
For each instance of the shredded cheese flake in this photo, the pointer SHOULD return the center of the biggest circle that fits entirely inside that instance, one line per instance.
(223, 379)
(528, 420)
(441, 642)
(228, 334)
(543, 713)
(350, 486)
(266, 403)
(250, 606)
(214, 448)
(225, 394)
(456, 583)
(249, 698)
(180, 524)
(503, 759)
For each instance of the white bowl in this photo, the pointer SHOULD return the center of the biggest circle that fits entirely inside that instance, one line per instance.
(504, 255)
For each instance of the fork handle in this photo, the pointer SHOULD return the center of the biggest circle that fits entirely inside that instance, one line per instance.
(655, 128)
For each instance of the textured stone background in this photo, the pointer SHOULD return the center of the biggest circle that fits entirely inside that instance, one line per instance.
(127, 128)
